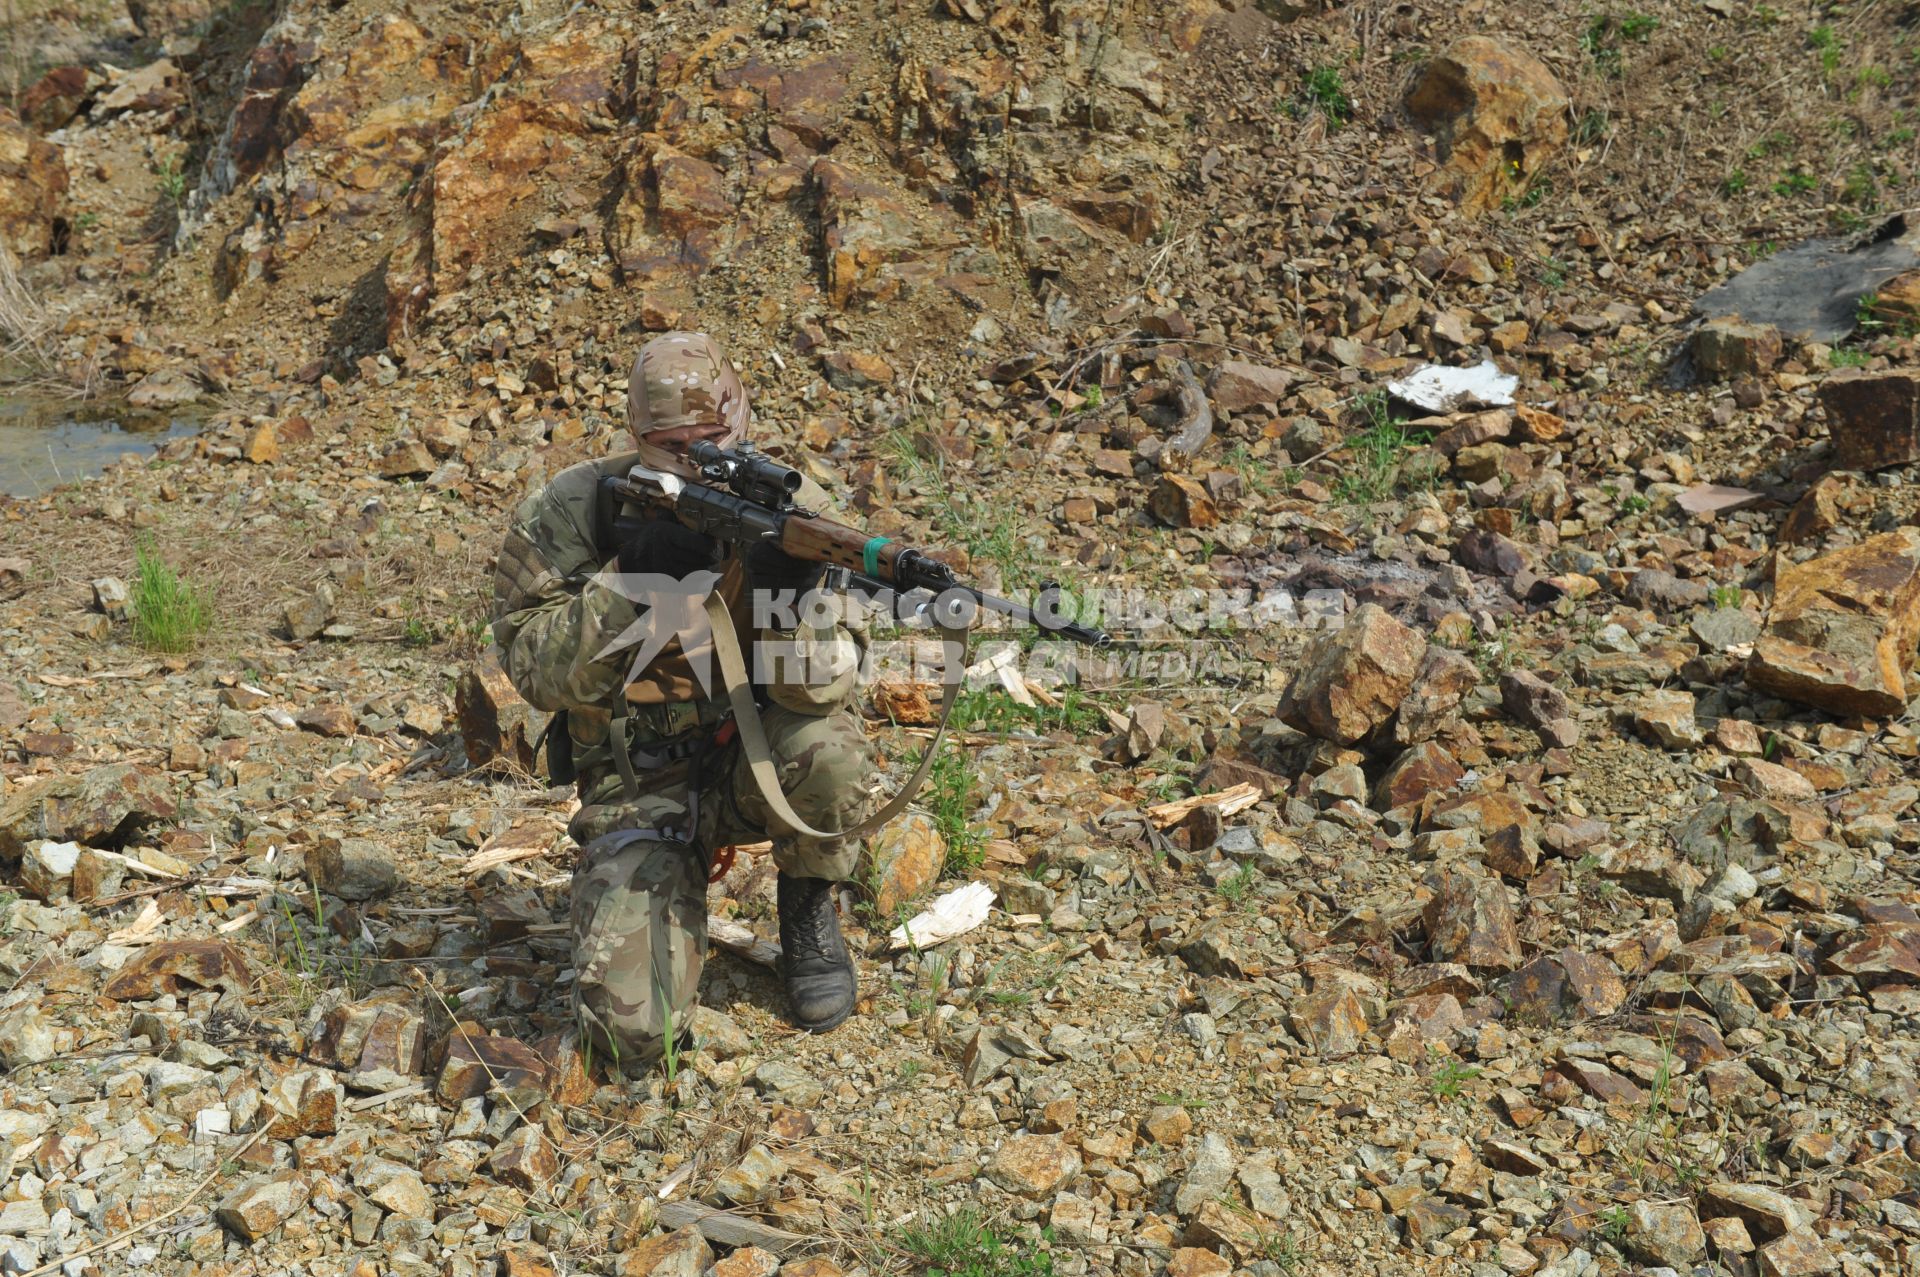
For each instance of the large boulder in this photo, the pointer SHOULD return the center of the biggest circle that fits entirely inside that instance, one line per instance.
(33, 191)
(1352, 683)
(1874, 418)
(876, 245)
(105, 805)
(57, 97)
(1843, 627)
(1497, 116)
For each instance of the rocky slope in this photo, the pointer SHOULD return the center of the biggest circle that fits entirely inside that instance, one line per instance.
(1548, 902)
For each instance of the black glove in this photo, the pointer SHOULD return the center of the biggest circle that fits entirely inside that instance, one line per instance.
(771, 568)
(669, 548)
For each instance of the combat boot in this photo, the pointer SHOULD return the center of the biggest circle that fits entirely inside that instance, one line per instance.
(813, 956)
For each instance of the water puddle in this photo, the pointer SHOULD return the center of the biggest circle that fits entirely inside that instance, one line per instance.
(45, 442)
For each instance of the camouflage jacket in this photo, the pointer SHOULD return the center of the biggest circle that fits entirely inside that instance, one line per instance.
(559, 626)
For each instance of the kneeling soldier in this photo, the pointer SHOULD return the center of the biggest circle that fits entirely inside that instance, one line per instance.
(581, 613)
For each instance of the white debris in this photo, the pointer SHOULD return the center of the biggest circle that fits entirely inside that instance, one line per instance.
(954, 914)
(1440, 389)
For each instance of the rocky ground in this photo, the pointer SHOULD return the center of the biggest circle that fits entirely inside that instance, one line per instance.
(1545, 904)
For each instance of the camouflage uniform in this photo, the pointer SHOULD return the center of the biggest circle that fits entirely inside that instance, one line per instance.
(639, 903)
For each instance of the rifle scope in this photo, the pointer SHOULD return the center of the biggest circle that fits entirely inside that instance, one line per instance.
(748, 473)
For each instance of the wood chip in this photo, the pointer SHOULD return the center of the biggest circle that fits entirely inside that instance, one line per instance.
(729, 1229)
(741, 940)
(1229, 801)
(522, 842)
(141, 929)
(388, 1097)
(232, 925)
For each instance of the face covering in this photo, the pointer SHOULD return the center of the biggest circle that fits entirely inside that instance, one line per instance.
(683, 390)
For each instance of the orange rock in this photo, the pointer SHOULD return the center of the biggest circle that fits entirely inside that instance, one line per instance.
(1497, 115)
(903, 861)
(1351, 683)
(1180, 502)
(33, 190)
(1727, 348)
(1470, 921)
(495, 723)
(176, 966)
(262, 446)
(1843, 628)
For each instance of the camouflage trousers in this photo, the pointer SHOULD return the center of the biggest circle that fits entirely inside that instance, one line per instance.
(640, 905)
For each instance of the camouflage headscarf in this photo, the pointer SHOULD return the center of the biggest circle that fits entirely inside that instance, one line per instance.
(683, 387)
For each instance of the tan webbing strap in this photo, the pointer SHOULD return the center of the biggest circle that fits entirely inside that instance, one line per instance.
(759, 754)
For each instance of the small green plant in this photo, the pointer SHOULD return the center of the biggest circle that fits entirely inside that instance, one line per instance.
(1282, 1250)
(1725, 596)
(1326, 93)
(1593, 126)
(1638, 26)
(1770, 144)
(1822, 38)
(1612, 1227)
(86, 221)
(1758, 250)
(1092, 398)
(670, 1041)
(1765, 16)
(1847, 357)
(1445, 1082)
(967, 1244)
(1237, 886)
(1861, 187)
(1735, 182)
(172, 179)
(1181, 1099)
(1255, 474)
(949, 800)
(170, 613)
(1796, 182)
(1529, 198)
(1597, 43)
(1378, 451)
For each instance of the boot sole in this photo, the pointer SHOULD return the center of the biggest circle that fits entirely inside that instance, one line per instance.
(824, 1025)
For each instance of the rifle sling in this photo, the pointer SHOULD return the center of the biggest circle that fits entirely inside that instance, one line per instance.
(759, 754)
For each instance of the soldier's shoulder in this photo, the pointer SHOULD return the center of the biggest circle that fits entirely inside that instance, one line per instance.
(576, 487)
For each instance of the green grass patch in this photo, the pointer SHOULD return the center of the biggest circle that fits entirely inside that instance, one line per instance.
(1447, 1080)
(967, 1244)
(1637, 26)
(172, 180)
(170, 613)
(1326, 92)
(1377, 453)
(949, 799)
(992, 710)
(1796, 182)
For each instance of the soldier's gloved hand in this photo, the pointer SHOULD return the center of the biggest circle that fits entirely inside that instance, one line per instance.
(669, 548)
(771, 568)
